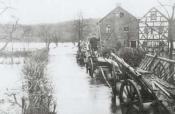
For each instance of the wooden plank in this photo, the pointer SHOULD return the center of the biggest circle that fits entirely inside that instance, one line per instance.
(121, 61)
(164, 59)
(149, 64)
(146, 63)
(143, 62)
(105, 77)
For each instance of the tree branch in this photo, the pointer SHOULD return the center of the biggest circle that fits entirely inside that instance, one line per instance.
(15, 99)
(172, 16)
(163, 6)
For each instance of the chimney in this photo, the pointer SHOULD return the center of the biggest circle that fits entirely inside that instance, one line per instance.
(118, 4)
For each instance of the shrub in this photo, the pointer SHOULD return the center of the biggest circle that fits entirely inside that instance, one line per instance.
(132, 56)
(36, 84)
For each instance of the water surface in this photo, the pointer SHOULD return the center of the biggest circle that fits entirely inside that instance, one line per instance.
(75, 91)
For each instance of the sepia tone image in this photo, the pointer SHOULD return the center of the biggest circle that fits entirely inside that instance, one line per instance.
(87, 56)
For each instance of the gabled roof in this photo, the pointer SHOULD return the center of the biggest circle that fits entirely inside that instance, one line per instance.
(157, 11)
(118, 7)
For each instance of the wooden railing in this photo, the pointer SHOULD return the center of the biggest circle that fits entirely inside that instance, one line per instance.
(161, 67)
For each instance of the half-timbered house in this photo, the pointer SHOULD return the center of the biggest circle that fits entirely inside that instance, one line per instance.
(153, 31)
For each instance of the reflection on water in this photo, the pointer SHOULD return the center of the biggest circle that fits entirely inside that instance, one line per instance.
(22, 46)
(11, 60)
(75, 91)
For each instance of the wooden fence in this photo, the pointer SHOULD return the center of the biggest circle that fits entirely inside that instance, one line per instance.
(161, 67)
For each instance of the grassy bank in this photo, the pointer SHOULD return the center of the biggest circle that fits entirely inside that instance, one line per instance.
(39, 98)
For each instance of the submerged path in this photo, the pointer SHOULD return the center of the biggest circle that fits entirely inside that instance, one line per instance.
(75, 91)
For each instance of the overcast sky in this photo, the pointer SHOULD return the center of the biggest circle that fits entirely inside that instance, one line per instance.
(52, 11)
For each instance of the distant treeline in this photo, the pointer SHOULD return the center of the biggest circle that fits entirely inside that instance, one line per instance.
(58, 32)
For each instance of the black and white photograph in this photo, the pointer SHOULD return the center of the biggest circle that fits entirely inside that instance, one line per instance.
(87, 56)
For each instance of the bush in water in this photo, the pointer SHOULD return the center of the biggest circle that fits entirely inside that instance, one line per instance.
(37, 86)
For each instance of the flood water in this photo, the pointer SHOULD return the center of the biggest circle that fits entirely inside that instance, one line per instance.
(10, 83)
(75, 91)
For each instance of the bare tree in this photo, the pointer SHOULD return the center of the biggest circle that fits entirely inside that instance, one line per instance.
(79, 26)
(55, 37)
(46, 35)
(27, 33)
(170, 10)
(7, 37)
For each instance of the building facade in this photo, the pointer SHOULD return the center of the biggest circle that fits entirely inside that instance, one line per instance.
(153, 31)
(119, 28)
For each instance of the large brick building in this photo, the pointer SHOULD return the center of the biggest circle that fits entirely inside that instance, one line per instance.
(119, 27)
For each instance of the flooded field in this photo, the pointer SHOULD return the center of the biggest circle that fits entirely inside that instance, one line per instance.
(11, 77)
(22, 46)
(74, 90)
(10, 83)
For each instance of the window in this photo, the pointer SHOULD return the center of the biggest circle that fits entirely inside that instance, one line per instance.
(146, 30)
(152, 30)
(121, 14)
(126, 29)
(117, 14)
(133, 44)
(108, 29)
(160, 28)
(153, 15)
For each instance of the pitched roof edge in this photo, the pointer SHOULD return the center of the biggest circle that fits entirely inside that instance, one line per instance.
(157, 11)
(114, 10)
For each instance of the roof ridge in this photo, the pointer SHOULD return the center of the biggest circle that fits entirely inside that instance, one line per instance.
(114, 10)
(157, 11)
